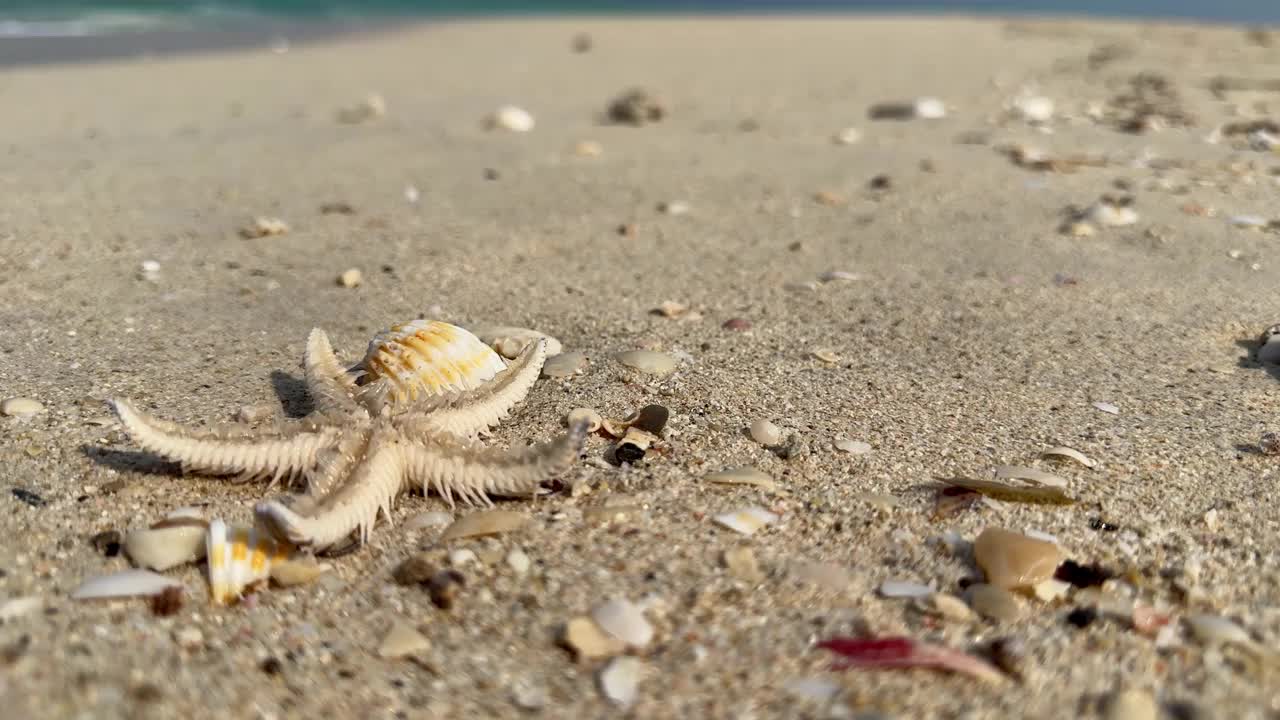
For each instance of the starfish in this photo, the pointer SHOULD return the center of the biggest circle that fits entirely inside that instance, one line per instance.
(360, 448)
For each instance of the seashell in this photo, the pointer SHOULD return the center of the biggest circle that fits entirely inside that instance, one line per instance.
(587, 415)
(743, 476)
(564, 365)
(1211, 630)
(434, 518)
(747, 520)
(1038, 477)
(166, 547)
(994, 603)
(17, 607)
(487, 522)
(301, 571)
(238, 558)
(402, 640)
(511, 341)
(1107, 407)
(20, 406)
(510, 118)
(853, 447)
(1111, 212)
(128, 583)
(620, 680)
(765, 433)
(1063, 451)
(648, 361)
(624, 620)
(588, 641)
(1033, 108)
(1011, 560)
(422, 358)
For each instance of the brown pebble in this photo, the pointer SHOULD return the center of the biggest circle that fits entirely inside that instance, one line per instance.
(114, 486)
(413, 570)
(738, 324)
(652, 418)
(444, 587)
(1012, 560)
(168, 602)
(637, 107)
(881, 182)
(628, 230)
(337, 208)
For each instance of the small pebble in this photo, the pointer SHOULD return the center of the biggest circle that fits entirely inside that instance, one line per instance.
(847, 136)
(1012, 560)
(636, 107)
(624, 620)
(265, 227)
(443, 588)
(853, 447)
(107, 542)
(402, 640)
(766, 433)
(676, 207)
(462, 557)
(528, 695)
(21, 407)
(511, 119)
(518, 561)
(254, 413)
(588, 148)
(620, 680)
(351, 278)
(737, 324)
(588, 641)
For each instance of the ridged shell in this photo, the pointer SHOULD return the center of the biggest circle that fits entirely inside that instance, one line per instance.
(427, 357)
(239, 557)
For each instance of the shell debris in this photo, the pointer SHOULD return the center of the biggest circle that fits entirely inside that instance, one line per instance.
(264, 227)
(127, 583)
(1062, 451)
(424, 358)
(510, 118)
(1032, 475)
(747, 520)
(239, 557)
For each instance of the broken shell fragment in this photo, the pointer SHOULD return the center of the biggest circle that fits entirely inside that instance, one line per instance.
(624, 620)
(1039, 477)
(1012, 493)
(564, 365)
(588, 642)
(239, 559)
(402, 640)
(994, 603)
(1066, 452)
(620, 680)
(584, 415)
(743, 476)
(651, 418)
(297, 571)
(1012, 560)
(511, 341)
(166, 547)
(264, 227)
(747, 520)
(487, 522)
(648, 361)
(127, 583)
(510, 118)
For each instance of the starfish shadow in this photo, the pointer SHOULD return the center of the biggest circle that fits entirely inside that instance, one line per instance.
(292, 393)
(131, 461)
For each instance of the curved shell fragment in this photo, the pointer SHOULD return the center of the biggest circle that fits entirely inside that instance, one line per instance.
(239, 557)
(1065, 452)
(1032, 475)
(128, 583)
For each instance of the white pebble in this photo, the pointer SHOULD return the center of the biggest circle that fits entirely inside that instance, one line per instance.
(411, 194)
(518, 561)
(847, 136)
(624, 620)
(853, 447)
(747, 520)
(511, 118)
(620, 680)
(351, 278)
(930, 108)
(765, 433)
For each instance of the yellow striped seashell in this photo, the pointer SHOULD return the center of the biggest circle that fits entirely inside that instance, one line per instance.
(423, 358)
(240, 557)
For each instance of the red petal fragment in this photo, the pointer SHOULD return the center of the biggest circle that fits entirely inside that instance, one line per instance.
(903, 652)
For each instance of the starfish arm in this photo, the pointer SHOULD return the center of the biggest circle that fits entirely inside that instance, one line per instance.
(330, 386)
(468, 414)
(370, 488)
(474, 474)
(285, 451)
(333, 465)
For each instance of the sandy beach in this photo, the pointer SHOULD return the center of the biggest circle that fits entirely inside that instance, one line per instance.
(936, 288)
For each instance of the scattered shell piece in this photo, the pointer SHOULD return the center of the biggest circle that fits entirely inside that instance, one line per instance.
(853, 447)
(929, 108)
(1132, 704)
(904, 589)
(675, 207)
(1080, 228)
(620, 680)
(351, 278)
(21, 406)
(671, 309)
(903, 652)
(1039, 477)
(518, 561)
(16, 607)
(765, 432)
(945, 606)
(1107, 407)
(462, 557)
(511, 119)
(588, 641)
(1248, 222)
(994, 603)
(1065, 452)
(1011, 493)
(1212, 630)
(837, 276)
(587, 415)
(847, 136)
(1050, 590)
(826, 355)
(1012, 560)
(423, 521)
(239, 558)
(254, 413)
(648, 361)
(743, 476)
(371, 108)
(564, 365)
(402, 640)
(742, 564)
(265, 227)
(624, 620)
(149, 270)
(511, 341)
(1033, 108)
(298, 571)
(1111, 212)
(411, 194)
(747, 520)
(636, 107)
(830, 198)
(165, 548)
(486, 522)
(126, 583)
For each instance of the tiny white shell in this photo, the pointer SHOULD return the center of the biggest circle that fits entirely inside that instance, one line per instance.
(127, 583)
(743, 476)
(1107, 407)
(422, 358)
(238, 558)
(620, 680)
(511, 118)
(624, 620)
(1063, 451)
(166, 547)
(747, 520)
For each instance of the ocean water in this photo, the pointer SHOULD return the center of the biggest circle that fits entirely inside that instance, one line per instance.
(77, 18)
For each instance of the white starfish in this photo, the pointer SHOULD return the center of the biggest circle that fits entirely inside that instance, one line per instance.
(357, 451)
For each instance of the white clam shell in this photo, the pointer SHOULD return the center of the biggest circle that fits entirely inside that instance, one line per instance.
(127, 583)
(167, 547)
(624, 620)
(1062, 451)
(423, 358)
(747, 520)
(620, 680)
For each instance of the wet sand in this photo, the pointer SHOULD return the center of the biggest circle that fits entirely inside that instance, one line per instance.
(975, 334)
